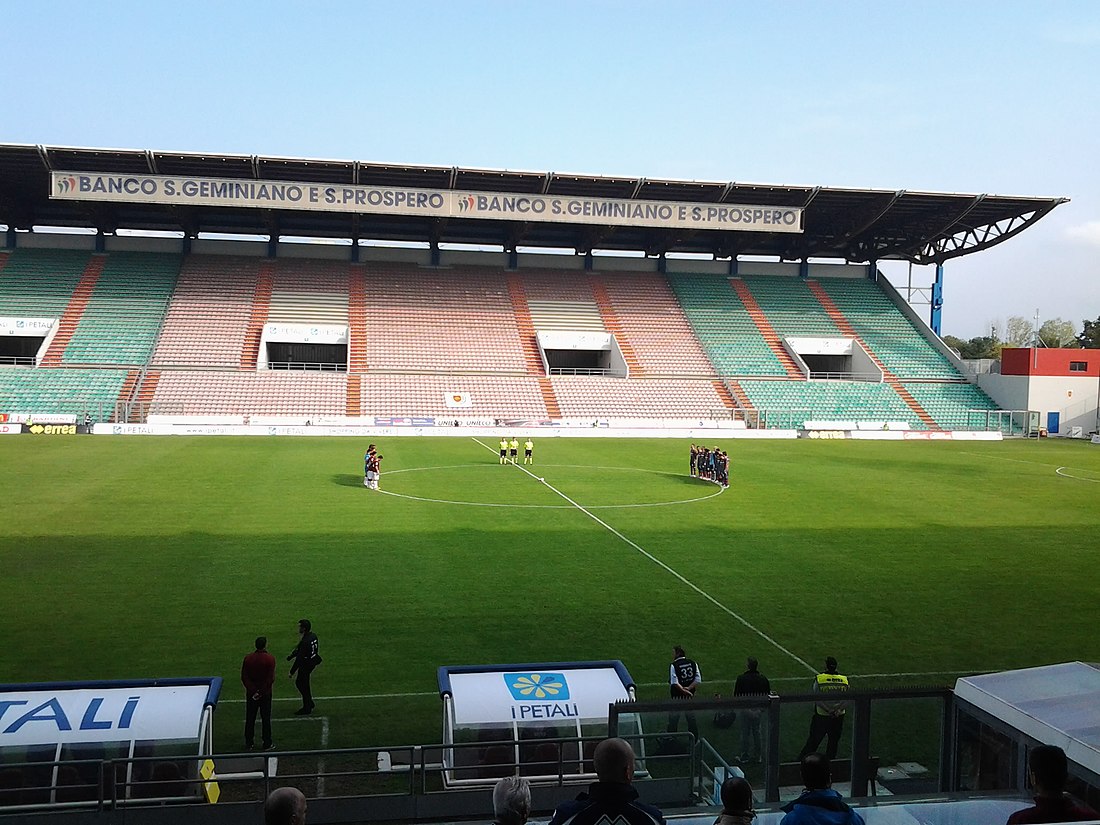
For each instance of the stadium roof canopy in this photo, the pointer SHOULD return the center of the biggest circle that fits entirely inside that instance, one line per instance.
(849, 224)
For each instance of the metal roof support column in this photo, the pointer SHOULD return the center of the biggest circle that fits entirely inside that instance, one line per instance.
(11, 237)
(436, 257)
(662, 263)
(272, 246)
(355, 250)
(734, 266)
(872, 270)
(937, 300)
(588, 261)
(100, 241)
(185, 247)
(804, 269)
(513, 259)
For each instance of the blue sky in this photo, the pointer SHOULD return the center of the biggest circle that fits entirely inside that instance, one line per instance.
(997, 97)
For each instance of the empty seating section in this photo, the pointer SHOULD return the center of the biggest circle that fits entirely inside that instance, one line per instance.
(38, 283)
(208, 317)
(791, 308)
(951, 404)
(195, 392)
(723, 326)
(826, 400)
(561, 300)
(600, 397)
(889, 334)
(655, 326)
(490, 396)
(440, 321)
(124, 314)
(60, 391)
(309, 292)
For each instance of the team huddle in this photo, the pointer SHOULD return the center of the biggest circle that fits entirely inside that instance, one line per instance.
(509, 450)
(712, 465)
(372, 468)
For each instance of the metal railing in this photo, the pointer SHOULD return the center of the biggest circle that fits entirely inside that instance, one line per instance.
(307, 366)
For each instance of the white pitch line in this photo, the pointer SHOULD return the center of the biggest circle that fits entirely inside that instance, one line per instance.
(1079, 478)
(661, 564)
(674, 502)
(324, 744)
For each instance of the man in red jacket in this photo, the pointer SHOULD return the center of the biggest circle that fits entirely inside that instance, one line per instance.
(258, 676)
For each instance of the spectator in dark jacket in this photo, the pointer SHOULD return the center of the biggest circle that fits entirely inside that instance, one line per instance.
(819, 803)
(613, 798)
(751, 683)
(1049, 772)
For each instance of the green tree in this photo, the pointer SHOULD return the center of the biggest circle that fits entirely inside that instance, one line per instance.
(1057, 333)
(1019, 332)
(1090, 334)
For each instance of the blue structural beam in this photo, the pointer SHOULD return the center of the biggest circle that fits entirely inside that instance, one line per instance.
(937, 300)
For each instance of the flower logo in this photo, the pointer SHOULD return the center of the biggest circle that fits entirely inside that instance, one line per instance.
(537, 686)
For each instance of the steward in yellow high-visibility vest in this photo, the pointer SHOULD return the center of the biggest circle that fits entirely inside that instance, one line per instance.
(513, 448)
(503, 450)
(528, 450)
(828, 718)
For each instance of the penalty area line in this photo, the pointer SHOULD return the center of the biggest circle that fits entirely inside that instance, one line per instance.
(662, 565)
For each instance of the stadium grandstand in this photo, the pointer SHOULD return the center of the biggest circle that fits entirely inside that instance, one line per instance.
(142, 286)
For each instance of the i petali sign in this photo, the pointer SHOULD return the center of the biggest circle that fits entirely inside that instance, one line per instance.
(560, 693)
(36, 717)
(439, 203)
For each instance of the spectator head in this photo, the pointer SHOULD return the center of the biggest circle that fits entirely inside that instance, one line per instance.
(614, 761)
(304, 626)
(736, 795)
(815, 772)
(261, 642)
(678, 652)
(753, 665)
(285, 806)
(512, 800)
(830, 664)
(1049, 770)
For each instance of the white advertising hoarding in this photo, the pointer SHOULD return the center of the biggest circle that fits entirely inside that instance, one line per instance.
(238, 193)
(47, 716)
(532, 695)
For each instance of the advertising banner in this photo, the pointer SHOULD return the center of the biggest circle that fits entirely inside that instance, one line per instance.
(26, 327)
(495, 697)
(458, 400)
(42, 717)
(235, 193)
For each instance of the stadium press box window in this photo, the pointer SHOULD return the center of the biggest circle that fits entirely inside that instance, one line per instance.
(542, 719)
(57, 739)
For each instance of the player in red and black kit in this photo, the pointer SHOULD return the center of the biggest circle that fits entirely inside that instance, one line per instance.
(258, 677)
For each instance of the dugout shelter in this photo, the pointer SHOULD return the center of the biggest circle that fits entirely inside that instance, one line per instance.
(999, 717)
(71, 742)
(541, 720)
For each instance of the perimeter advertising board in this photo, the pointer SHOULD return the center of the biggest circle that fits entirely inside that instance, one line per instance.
(434, 203)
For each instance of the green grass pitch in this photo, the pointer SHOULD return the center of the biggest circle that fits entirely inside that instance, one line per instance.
(134, 557)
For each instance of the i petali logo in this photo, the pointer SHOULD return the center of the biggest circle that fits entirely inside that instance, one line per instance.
(526, 686)
(66, 185)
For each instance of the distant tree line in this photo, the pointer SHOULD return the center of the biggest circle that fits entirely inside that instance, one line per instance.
(1020, 332)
